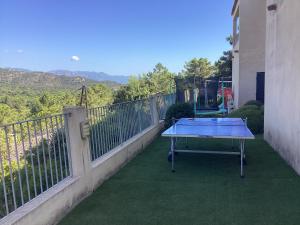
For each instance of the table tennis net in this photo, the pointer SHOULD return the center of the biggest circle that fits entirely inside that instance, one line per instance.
(209, 123)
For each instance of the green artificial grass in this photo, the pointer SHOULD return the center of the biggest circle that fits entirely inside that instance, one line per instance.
(205, 189)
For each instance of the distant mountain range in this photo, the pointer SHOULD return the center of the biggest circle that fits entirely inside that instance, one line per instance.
(45, 80)
(97, 76)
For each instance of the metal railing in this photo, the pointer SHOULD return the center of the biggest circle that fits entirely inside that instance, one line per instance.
(163, 103)
(112, 125)
(34, 156)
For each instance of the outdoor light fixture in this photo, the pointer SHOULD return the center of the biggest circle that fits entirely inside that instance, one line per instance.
(272, 7)
(85, 129)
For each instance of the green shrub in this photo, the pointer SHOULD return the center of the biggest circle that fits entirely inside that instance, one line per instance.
(255, 116)
(178, 111)
(254, 102)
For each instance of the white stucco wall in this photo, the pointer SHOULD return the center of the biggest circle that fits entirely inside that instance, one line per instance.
(235, 54)
(282, 91)
(235, 75)
(251, 57)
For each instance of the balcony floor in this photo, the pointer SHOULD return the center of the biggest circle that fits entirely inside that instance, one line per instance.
(206, 189)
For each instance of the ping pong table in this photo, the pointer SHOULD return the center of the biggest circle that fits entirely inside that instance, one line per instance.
(220, 128)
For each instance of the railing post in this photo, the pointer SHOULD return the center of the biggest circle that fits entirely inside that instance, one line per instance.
(80, 160)
(139, 115)
(120, 125)
(154, 110)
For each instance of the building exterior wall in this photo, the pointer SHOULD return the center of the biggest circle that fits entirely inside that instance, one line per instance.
(235, 75)
(250, 49)
(235, 53)
(282, 90)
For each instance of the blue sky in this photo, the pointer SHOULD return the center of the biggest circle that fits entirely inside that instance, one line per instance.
(114, 36)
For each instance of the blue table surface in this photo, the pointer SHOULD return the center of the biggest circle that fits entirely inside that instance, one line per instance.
(234, 128)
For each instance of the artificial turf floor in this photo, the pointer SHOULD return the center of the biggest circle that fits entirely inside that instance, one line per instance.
(205, 189)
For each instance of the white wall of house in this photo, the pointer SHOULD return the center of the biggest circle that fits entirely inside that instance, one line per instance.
(282, 90)
(249, 52)
(235, 53)
(235, 77)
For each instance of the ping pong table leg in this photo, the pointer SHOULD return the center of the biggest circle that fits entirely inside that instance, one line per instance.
(242, 148)
(172, 152)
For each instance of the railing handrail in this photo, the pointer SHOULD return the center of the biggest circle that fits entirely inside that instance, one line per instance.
(133, 101)
(34, 119)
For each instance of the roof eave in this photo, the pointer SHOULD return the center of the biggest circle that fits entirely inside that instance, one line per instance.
(234, 7)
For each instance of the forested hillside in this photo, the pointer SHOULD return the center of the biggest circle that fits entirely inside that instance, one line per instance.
(98, 76)
(41, 80)
(26, 94)
(21, 103)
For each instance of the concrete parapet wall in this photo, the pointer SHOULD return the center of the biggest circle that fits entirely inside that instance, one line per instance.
(86, 176)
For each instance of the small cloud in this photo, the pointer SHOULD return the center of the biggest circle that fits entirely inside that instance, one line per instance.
(75, 58)
(20, 51)
(5, 51)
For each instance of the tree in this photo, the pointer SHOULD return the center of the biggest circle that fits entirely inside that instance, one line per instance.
(99, 95)
(7, 114)
(229, 39)
(35, 107)
(138, 87)
(224, 64)
(44, 99)
(160, 80)
(200, 67)
(122, 94)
